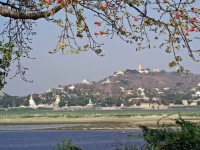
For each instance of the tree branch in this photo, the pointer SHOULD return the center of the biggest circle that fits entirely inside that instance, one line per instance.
(4, 11)
(7, 4)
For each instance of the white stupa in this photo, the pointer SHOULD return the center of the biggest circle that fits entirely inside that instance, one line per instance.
(198, 85)
(31, 102)
(198, 93)
(156, 70)
(90, 104)
(85, 81)
(57, 99)
(119, 73)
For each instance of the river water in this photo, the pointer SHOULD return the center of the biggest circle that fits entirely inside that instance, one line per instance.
(88, 140)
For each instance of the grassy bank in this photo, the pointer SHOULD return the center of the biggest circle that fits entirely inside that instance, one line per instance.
(96, 119)
(93, 115)
(99, 123)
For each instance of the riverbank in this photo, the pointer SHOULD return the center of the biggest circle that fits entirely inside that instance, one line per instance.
(96, 123)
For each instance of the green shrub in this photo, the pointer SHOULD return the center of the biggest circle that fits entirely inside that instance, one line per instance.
(66, 145)
(185, 137)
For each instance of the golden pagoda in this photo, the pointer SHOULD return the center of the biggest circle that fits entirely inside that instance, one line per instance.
(108, 80)
(142, 94)
(31, 97)
(31, 102)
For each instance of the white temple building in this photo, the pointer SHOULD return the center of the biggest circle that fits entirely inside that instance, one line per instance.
(107, 81)
(49, 90)
(198, 85)
(156, 70)
(71, 87)
(85, 82)
(140, 89)
(129, 92)
(31, 102)
(197, 94)
(119, 73)
(122, 89)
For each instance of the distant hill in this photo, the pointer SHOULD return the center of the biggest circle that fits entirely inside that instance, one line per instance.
(152, 82)
(162, 87)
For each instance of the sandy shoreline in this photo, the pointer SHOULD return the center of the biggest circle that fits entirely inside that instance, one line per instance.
(95, 123)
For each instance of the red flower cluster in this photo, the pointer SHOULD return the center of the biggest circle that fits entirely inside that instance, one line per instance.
(164, 1)
(120, 28)
(178, 15)
(47, 2)
(191, 29)
(102, 32)
(97, 23)
(103, 7)
(135, 19)
(194, 19)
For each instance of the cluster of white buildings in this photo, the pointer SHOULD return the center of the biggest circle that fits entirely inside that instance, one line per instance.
(33, 105)
(140, 70)
(197, 91)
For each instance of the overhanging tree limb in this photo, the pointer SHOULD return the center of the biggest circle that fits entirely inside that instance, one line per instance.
(4, 11)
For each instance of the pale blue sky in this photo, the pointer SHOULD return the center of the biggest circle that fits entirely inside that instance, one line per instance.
(49, 71)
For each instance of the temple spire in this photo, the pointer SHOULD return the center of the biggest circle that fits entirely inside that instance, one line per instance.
(31, 97)
(31, 102)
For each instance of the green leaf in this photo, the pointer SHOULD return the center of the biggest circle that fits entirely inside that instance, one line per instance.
(98, 51)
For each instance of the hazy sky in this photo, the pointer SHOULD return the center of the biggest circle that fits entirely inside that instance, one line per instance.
(49, 71)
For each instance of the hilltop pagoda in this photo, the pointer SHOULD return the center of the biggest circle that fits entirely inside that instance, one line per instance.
(140, 70)
(156, 70)
(107, 81)
(85, 81)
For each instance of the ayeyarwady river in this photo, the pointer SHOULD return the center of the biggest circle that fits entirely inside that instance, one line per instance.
(88, 140)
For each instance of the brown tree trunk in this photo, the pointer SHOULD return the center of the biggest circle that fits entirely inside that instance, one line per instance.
(4, 11)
